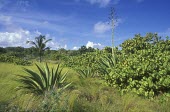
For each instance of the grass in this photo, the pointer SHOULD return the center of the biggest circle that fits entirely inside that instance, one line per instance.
(8, 84)
(84, 95)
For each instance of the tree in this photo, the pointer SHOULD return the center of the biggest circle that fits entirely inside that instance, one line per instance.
(2, 50)
(90, 49)
(108, 49)
(40, 45)
(82, 49)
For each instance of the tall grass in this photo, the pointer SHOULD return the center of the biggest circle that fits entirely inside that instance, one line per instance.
(84, 95)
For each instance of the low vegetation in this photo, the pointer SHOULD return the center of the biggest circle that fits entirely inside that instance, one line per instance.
(136, 80)
(14, 59)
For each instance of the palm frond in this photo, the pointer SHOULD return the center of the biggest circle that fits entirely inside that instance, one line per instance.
(33, 43)
(47, 41)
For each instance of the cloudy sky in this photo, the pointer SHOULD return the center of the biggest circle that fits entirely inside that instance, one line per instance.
(73, 23)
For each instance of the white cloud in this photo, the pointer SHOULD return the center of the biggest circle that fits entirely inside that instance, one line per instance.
(101, 27)
(102, 3)
(65, 46)
(18, 38)
(75, 48)
(90, 44)
(93, 45)
(53, 45)
(37, 32)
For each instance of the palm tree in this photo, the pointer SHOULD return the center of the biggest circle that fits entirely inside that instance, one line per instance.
(40, 45)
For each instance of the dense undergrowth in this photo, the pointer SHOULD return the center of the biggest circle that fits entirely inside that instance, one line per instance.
(83, 95)
(137, 81)
(14, 59)
(142, 66)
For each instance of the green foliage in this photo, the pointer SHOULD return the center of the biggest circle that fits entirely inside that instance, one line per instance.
(44, 81)
(53, 102)
(83, 49)
(143, 67)
(2, 50)
(92, 96)
(85, 95)
(86, 73)
(9, 59)
(106, 63)
(13, 59)
(108, 49)
(85, 64)
(40, 45)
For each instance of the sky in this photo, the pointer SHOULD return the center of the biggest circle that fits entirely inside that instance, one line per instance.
(73, 23)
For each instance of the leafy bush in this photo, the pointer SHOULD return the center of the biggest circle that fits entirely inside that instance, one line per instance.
(145, 69)
(13, 59)
(86, 63)
(6, 58)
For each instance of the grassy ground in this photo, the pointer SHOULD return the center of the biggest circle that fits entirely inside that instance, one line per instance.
(8, 74)
(84, 95)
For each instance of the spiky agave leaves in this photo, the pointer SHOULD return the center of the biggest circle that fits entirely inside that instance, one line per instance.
(106, 63)
(44, 81)
(86, 73)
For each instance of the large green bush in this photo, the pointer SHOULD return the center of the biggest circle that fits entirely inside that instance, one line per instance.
(143, 67)
(86, 63)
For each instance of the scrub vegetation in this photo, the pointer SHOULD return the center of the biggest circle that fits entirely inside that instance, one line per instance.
(136, 79)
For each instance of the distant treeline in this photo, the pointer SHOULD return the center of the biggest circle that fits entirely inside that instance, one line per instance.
(31, 53)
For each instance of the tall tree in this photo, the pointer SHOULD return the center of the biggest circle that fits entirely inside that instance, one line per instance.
(40, 45)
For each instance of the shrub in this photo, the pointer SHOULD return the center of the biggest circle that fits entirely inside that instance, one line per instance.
(144, 70)
(13, 59)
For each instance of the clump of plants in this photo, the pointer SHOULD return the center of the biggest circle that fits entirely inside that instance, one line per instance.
(143, 66)
(43, 87)
(13, 59)
(85, 64)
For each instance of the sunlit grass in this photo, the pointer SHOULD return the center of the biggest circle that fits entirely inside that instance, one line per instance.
(83, 95)
(8, 74)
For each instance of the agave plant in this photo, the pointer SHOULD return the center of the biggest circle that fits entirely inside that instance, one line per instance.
(86, 73)
(106, 63)
(44, 81)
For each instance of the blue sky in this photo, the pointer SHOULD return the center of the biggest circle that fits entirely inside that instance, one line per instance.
(73, 23)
